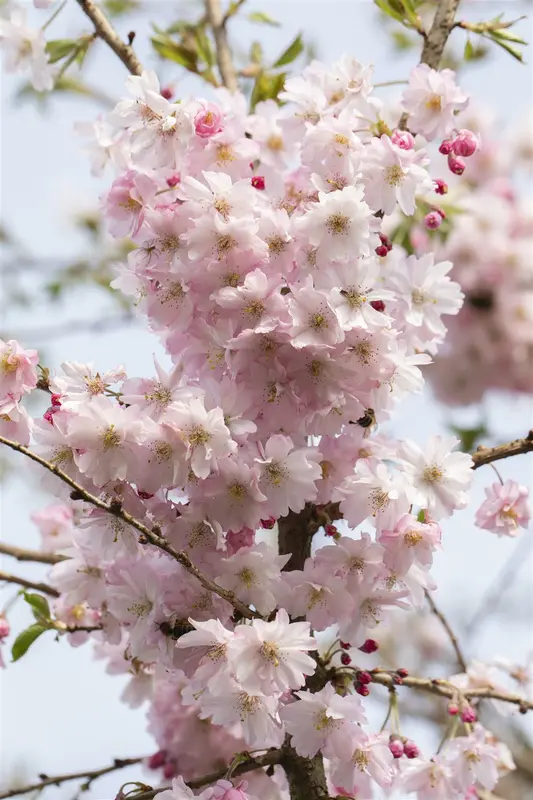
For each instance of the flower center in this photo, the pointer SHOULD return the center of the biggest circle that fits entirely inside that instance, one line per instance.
(111, 438)
(140, 609)
(237, 491)
(270, 652)
(318, 321)
(323, 722)
(434, 102)
(225, 243)
(275, 472)
(163, 451)
(361, 760)
(432, 474)
(94, 385)
(247, 705)
(364, 351)
(160, 395)
(394, 175)
(276, 245)
(316, 597)
(356, 564)
(222, 206)
(379, 499)
(337, 223)
(412, 538)
(10, 363)
(198, 436)
(254, 309)
(224, 155)
(247, 577)
(274, 143)
(201, 533)
(341, 139)
(418, 297)
(354, 298)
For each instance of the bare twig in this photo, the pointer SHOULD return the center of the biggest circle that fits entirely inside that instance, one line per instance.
(57, 780)
(21, 554)
(5, 577)
(108, 34)
(217, 21)
(485, 455)
(446, 625)
(152, 535)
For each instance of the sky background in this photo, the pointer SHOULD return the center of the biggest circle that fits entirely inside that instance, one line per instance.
(59, 712)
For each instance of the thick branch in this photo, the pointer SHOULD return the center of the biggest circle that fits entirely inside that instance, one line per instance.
(485, 455)
(108, 34)
(224, 59)
(56, 780)
(39, 587)
(306, 776)
(147, 535)
(21, 554)
(270, 758)
(446, 625)
(439, 32)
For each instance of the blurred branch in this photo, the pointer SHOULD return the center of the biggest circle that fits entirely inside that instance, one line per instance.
(21, 554)
(217, 21)
(446, 625)
(108, 34)
(40, 587)
(57, 780)
(148, 535)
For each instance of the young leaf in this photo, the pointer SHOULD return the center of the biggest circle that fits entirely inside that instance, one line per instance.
(264, 19)
(24, 640)
(267, 87)
(39, 606)
(203, 45)
(60, 48)
(385, 6)
(291, 53)
(173, 51)
(256, 53)
(514, 51)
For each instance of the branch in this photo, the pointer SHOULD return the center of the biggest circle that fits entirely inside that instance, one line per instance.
(224, 59)
(147, 535)
(108, 34)
(439, 32)
(56, 780)
(39, 587)
(270, 758)
(446, 625)
(21, 554)
(485, 455)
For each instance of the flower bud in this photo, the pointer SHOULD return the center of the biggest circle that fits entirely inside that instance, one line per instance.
(456, 165)
(433, 220)
(441, 187)
(465, 143)
(167, 92)
(403, 139)
(396, 747)
(330, 530)
(258, 182)
(208, 121)
(4, 627)
(362, 689)
(378, 305)
(468, 714)
(446, 147)
(269, 523)
(410, 749)
(402, 672)
(157, 760)
(364, 677)
(345, 659)
(382, 251)
(56, 400)
(173, 180)
(369, 646)
(169, 770)
(453, 709)
(345, 645)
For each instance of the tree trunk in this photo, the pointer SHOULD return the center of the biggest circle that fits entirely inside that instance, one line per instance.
(306, 776)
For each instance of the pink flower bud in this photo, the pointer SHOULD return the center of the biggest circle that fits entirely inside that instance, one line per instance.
(402, 672)
(330, 530)
(378, 305)
(456, 165)
(157, 760)
(173, 180)
(396, 747)
(446, 147)
(169, 770)
(167, 92)
(345, 645)
(258, 182)
(433, 220)
(362, 689)
(345, 659)
(56, 400)
(369, 646)
(441, 187)
(465, 143)
(410, 749)
(382, 251)
(269, 523)
(403, 139)
(49, 414)
(453, 709)
(386, 241)
(468, 714)
(4, 627)
(208, 121)
(364, 677)
(144, 495)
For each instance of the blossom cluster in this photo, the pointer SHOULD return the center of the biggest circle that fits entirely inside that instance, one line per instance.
(294, 327)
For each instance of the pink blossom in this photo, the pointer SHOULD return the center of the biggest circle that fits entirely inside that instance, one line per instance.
(208, 121)
(431, 100)
(55, 523)
(126, 202)
(506, 507)
(225, 790)
(410, 541)
(18, 375)
(369, 755)
(288, 475)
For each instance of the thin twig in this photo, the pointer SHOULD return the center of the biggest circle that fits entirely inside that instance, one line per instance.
(217, 22)
(57, 780)
(21, 554)
(108, 34)
(446, 625)
(268, 759)
(152, 535)
(5, 577)
(484, 455)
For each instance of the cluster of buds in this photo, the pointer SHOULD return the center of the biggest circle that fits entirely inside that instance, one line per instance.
(462, 145)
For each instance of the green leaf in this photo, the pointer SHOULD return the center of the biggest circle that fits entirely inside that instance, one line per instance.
(203, 44)
(469, 436)
(513, 51)
(410, 12)
(24, 640)
(291, 53)
(256, 53)
(468, 51)
(114, 8)
(267, 87)
(173, 51)
(263, 19)
(507, 36)
(385, 6)
(421, 516)
(60, 48)
(39, 606)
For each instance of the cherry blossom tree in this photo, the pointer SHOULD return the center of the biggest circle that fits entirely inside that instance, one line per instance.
(288, 250)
